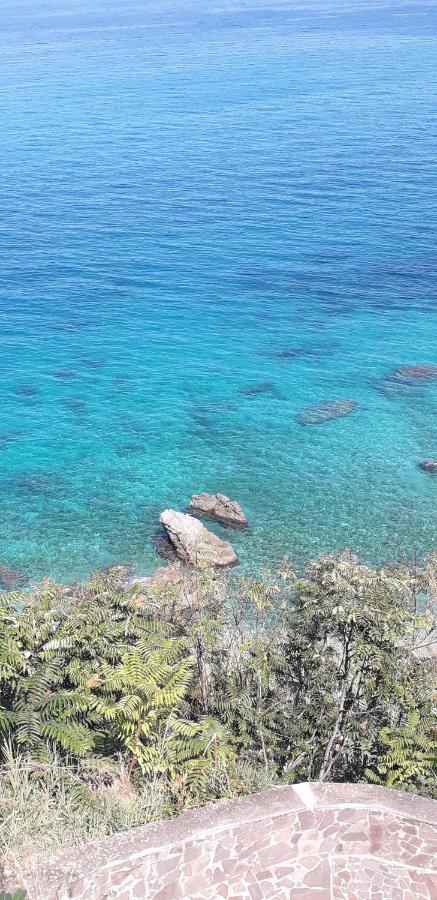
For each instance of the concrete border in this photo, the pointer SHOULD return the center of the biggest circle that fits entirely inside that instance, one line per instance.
(83, 864)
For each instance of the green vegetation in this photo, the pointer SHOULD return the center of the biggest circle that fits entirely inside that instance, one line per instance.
(120, 706)
(17, 895)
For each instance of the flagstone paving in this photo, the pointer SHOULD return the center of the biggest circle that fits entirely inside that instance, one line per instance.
(306, 842)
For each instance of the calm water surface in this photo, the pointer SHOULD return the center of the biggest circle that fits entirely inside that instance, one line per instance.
(197, 199)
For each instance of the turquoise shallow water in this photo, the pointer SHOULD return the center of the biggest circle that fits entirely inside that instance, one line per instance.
(195, 201)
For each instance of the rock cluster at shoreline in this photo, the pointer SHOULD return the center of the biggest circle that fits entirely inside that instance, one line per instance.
(184, 539)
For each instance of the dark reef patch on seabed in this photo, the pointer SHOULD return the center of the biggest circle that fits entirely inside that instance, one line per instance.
(73, 324)
(26, 390)
(256, 390)
(324, 412)
(66, 374)
(94, 363)
(407, 380)
(414, 374)
(285, 355)
(77, 406)
(309, 351)
(141, 428)
(214, 422)
(130, 449)
(122, 384)
(46, 484)
(9, 437)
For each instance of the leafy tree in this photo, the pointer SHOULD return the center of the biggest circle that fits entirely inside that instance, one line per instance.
(350, 635)
(408, 755)
(91, 671)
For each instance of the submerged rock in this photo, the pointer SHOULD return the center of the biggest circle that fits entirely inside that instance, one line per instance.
(12, 579)
(141, 428)
(9, 437)
(26, 390)
(130, 449)
(94, 363)
(77, 407)
(287, 354)
(66, 374)
(255, 390)
(44, 483)
(193, 543)
(429, 466)
(220, 507)
(309, 351)
(414, 374)
(325, 412)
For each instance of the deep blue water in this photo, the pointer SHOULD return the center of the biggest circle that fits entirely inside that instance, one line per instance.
(195, 199)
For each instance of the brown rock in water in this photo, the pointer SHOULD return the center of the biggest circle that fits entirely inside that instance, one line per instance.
(429, 466)
(12, 579)
(325, 412)
(220, 507)
(415, 374)
(193, 543)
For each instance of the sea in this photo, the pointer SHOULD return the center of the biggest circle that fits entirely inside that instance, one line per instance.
(215, 214)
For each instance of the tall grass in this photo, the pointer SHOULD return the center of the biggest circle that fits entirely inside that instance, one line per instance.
(48, 807)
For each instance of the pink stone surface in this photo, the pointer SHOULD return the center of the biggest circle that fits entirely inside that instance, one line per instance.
(312, 842)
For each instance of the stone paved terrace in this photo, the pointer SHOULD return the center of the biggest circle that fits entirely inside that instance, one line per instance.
(306, 842)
